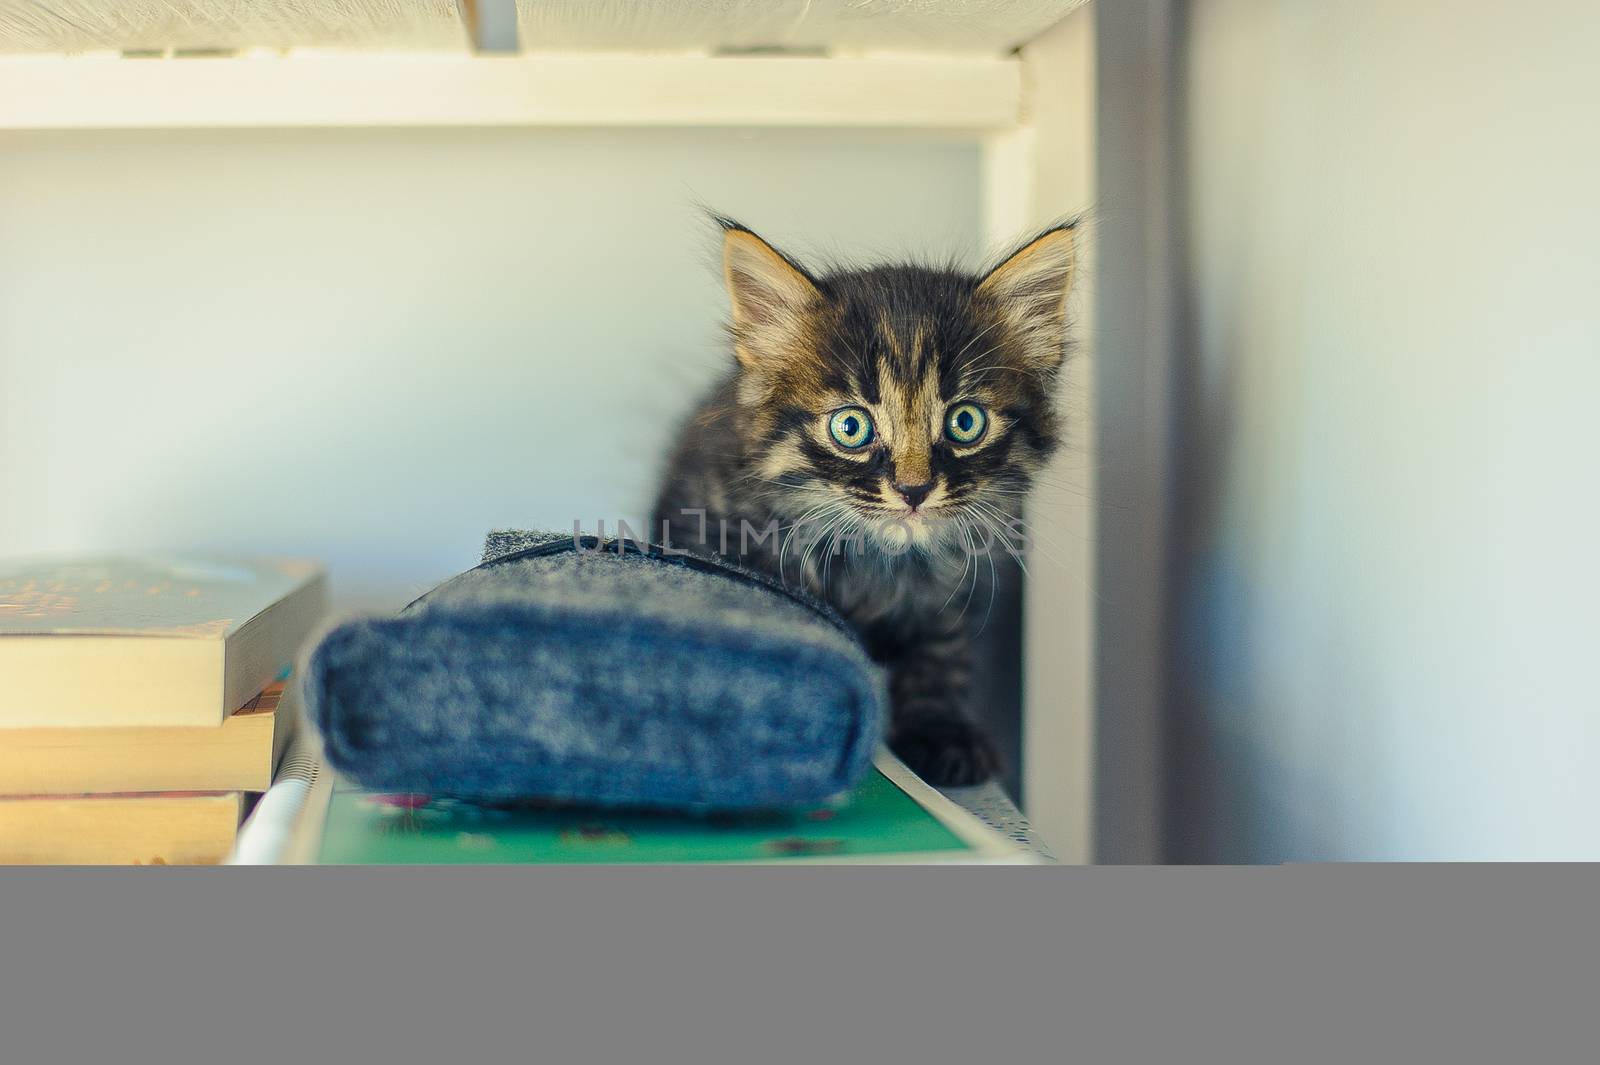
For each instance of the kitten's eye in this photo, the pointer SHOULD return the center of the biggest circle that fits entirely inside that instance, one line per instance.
(965, 422)
(851, 427)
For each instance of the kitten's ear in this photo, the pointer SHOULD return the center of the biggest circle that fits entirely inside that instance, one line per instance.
(771, 297)
(1030, 288)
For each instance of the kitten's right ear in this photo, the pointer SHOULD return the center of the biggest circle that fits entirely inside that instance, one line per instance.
(771, 297)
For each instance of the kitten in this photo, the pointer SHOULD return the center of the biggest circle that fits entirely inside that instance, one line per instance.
(887, 422)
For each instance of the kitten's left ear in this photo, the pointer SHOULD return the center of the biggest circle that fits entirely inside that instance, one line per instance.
(1030, 288)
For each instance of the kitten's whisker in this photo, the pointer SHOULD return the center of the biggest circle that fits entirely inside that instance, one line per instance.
(999, 367)
(1005, 542)
(1006, 523)
(972, 364)
(969, 530)
(803, 486)
(1035, 538)
(972, 554)
(784, 541)
(835, 546)
(833, 518)
(1031, 535)
(973, 587)
(994, 583)
(817, 510)
(847, 524)
(1069, 489)
(981, 334)
(812, 539)
(827, 560)
(966, 563)
(1063, 567)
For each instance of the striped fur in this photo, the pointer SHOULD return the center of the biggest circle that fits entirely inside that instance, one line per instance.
(895, 533)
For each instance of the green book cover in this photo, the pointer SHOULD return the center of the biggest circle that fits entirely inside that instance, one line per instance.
(878, 822)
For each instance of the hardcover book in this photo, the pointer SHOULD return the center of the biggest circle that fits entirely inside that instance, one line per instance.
(147, 641)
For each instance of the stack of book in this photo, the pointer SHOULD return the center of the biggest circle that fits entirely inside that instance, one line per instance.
(143, 703)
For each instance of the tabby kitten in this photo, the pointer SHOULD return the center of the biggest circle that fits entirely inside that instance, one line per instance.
(887, 422)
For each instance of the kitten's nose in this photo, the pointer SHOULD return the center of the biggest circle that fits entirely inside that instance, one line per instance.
(914, 493)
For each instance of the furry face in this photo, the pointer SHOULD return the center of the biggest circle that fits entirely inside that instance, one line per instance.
(907, 403)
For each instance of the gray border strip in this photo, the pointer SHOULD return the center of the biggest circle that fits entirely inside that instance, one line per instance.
(1387, 963)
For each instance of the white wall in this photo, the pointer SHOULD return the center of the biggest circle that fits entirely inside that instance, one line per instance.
(371, 346)
(1391, 590)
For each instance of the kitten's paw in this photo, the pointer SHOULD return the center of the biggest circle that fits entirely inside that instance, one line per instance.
(947, 752)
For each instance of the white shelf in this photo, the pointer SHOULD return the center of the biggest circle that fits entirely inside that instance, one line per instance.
(949, 92)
